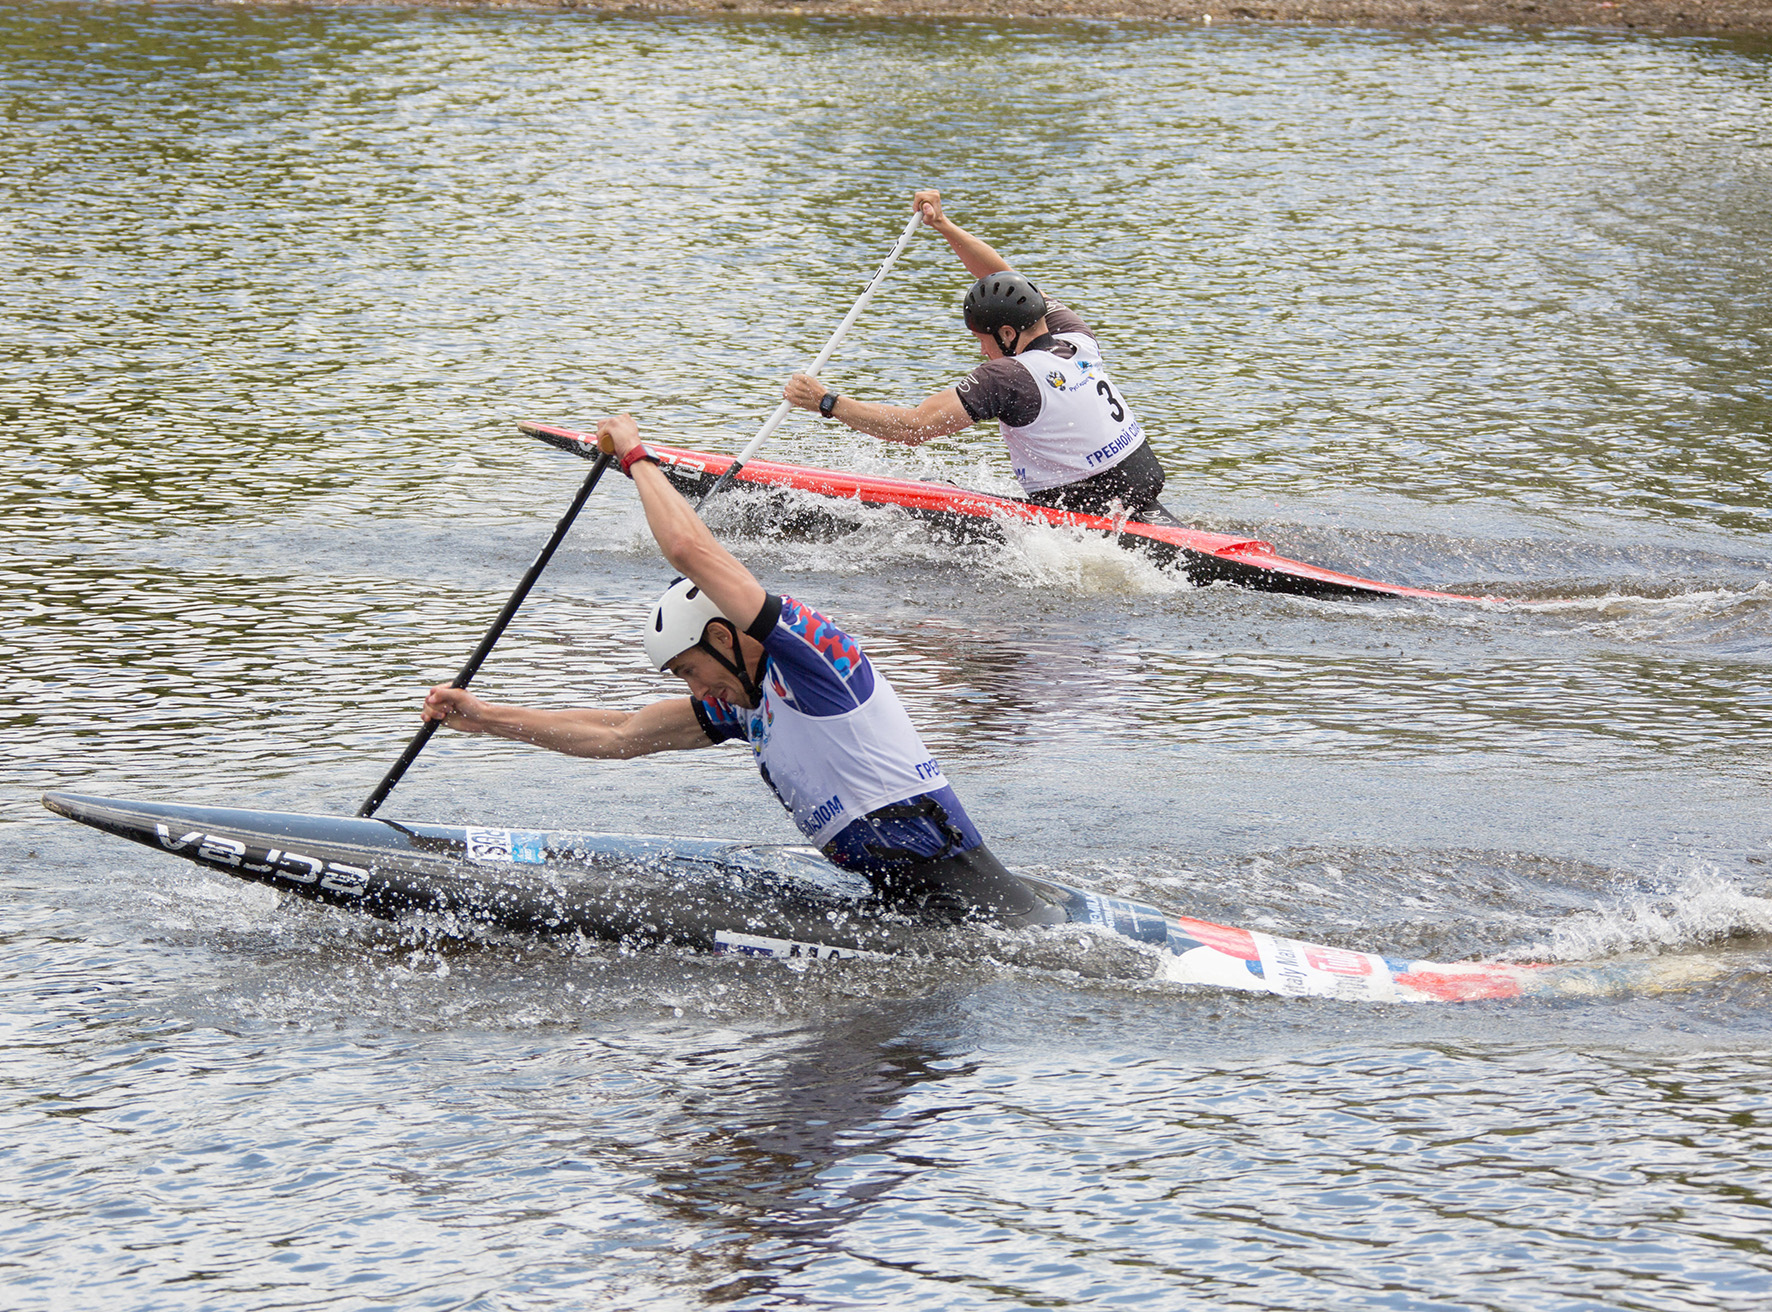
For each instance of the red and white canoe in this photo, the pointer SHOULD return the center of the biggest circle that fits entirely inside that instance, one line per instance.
(1206, 557)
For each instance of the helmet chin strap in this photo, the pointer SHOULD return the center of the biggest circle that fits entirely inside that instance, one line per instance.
(1014, 342)
(746, 680)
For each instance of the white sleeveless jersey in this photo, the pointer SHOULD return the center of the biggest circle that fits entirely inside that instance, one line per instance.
(829, 734)
(830, 770)
(1084, 426)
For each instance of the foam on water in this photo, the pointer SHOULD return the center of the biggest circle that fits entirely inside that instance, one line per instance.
(1696, 908)
(1621, 606)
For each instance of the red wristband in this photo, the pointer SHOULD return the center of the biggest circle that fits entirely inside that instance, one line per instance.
(633, 457)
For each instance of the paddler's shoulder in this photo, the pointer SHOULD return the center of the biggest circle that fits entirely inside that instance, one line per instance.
(1060, 318)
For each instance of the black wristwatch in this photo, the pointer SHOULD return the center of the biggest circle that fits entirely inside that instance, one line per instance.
(827, 404)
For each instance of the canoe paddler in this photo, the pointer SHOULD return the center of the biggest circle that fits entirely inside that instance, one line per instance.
(829, 735)
(1073, 439)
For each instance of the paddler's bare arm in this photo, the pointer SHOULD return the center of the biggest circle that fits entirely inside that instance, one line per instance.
(978, 257)
(939, 416)
(682, 537)
(667, 726)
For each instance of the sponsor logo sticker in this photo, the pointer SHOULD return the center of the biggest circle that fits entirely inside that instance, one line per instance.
(756, 945)
(1307, 970)
(492, 845)
(497, 845)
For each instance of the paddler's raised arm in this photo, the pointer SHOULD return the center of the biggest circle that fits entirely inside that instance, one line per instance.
(974, 252)
(939, 416)
(685, 541)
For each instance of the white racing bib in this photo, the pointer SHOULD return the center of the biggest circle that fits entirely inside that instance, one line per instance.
(830, 770)
(1084, 426)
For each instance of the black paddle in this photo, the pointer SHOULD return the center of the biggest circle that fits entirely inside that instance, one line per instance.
(493, 634)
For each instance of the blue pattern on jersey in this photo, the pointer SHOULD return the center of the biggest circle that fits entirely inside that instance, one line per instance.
(823, 671)
(722, 720)
(813, 666)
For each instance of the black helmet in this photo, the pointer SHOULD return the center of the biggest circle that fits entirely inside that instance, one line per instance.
(1003, 300)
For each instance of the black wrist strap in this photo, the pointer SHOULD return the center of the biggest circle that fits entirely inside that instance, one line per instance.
(767, 618)
(827, 404)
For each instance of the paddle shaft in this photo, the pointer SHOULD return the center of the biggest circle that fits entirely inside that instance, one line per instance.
(493, 634)
(830, 348)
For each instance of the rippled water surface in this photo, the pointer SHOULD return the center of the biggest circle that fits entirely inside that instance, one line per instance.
(1476, 311)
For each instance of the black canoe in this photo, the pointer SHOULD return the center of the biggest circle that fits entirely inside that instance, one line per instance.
(752, 899)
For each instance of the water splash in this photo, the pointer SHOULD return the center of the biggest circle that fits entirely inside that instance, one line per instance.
(1036, 556)
(804, 532)
(1701, 908)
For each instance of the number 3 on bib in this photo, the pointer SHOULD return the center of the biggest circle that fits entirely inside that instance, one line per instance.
(1115, 407)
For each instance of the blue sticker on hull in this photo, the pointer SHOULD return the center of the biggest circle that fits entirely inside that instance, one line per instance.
(1131, 920)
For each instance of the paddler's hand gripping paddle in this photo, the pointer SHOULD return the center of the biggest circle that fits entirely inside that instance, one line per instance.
(830, 348)
(493, 634)
(603, 462)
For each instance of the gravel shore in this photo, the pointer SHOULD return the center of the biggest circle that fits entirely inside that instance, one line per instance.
(1669, 17)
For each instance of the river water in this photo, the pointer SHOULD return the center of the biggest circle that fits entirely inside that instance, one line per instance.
(1480, 311)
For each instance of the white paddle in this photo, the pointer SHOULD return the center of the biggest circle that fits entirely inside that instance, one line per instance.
(830, 348)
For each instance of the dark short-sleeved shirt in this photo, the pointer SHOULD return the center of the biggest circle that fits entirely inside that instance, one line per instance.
(1002, 390)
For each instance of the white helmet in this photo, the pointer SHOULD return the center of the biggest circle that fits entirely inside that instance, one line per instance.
(678, 622)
